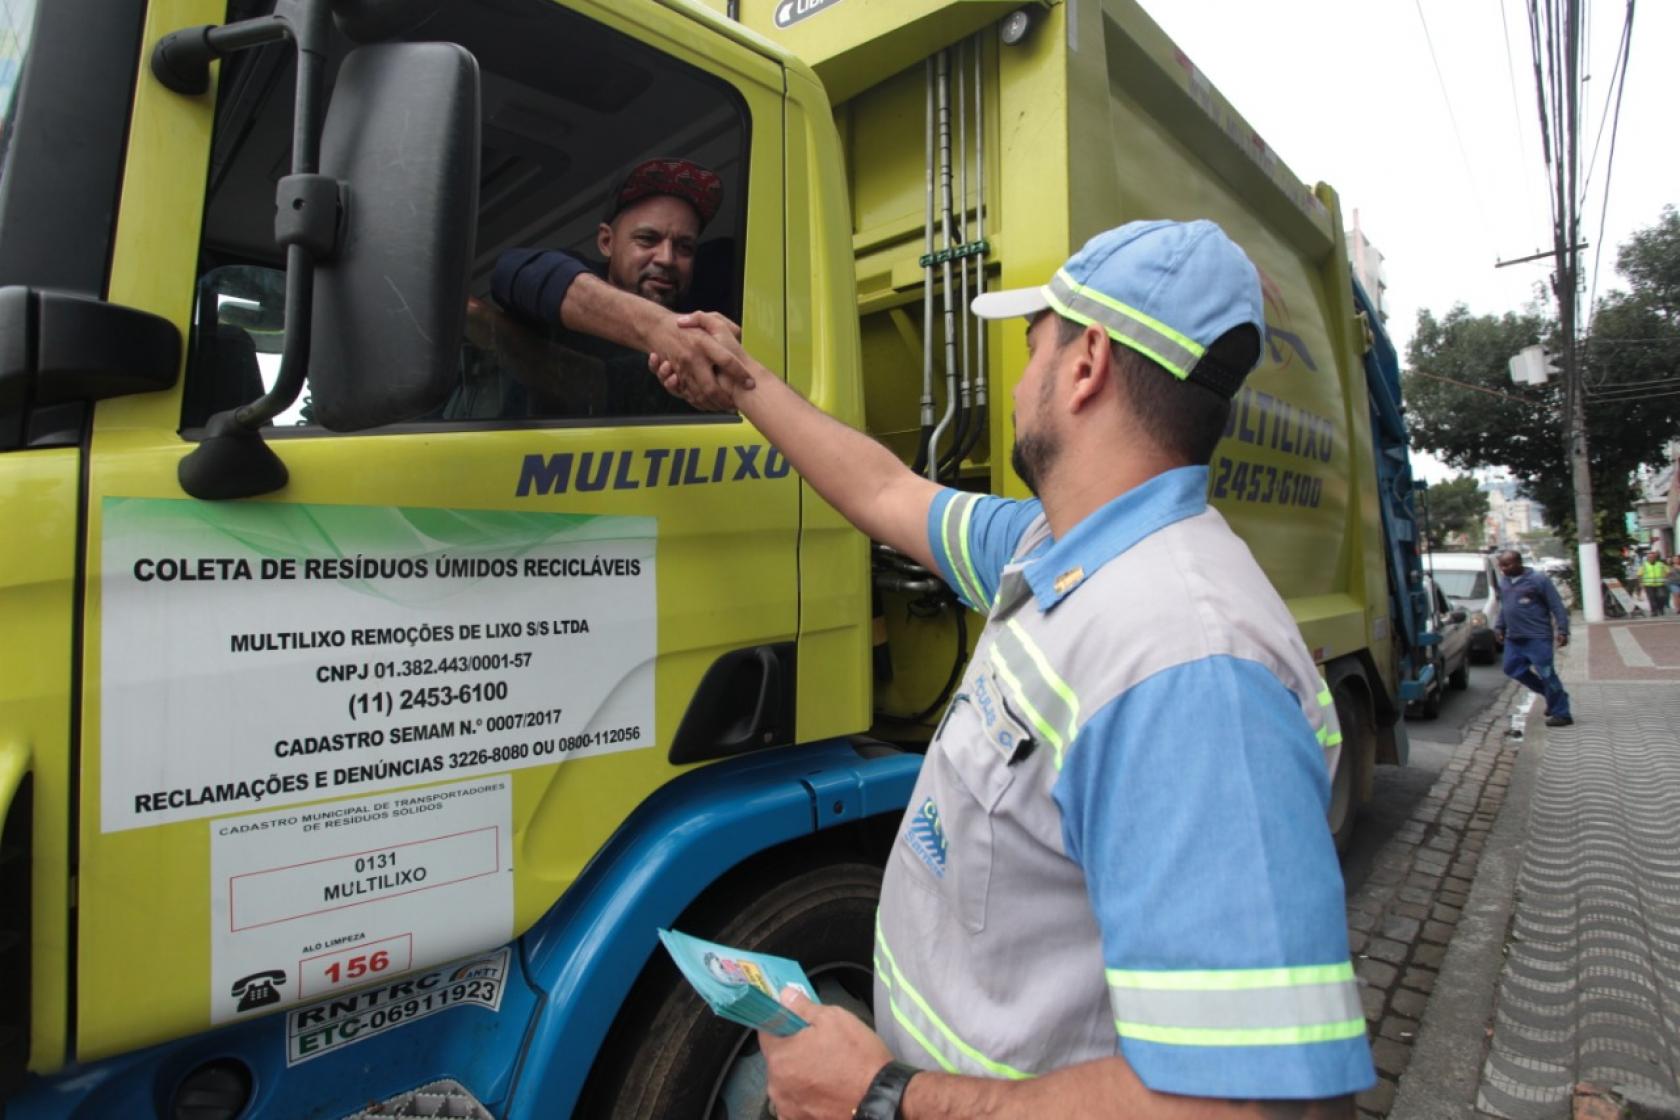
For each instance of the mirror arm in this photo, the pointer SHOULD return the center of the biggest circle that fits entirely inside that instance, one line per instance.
(181, 59)
(294, 356)
(232, 461)
(299, 217)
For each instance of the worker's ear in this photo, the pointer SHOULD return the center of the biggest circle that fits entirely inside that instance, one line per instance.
(603, 240)
(1093, 367)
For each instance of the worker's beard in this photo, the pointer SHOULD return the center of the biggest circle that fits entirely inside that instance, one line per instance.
(1033, 455)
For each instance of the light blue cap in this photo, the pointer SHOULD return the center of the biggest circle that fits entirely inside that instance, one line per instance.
(1166, 289)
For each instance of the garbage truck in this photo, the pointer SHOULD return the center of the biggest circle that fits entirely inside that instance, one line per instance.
(367, 705)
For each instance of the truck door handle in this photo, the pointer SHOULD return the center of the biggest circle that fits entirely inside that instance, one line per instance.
(745, 702)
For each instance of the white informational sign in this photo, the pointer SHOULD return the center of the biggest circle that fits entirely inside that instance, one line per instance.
(259, 653)
(324, 898)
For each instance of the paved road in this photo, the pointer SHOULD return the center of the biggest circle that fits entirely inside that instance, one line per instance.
(1400, 788)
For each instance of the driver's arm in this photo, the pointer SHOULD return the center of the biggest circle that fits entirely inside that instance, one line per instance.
(552, 286)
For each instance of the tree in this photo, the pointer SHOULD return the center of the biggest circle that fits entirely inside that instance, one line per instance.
(1463, 406)
(1455, 506)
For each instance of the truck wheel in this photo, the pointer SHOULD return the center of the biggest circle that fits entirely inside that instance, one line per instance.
(1430, 706)
(669, 1058)
(1358, 740)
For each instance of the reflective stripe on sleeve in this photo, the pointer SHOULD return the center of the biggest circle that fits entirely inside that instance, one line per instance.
(1238, 1007)
(911, 1012)
(954, 540)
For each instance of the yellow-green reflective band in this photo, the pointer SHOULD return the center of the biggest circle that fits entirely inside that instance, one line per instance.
(1056, 683)
(1252, 1036)
(1230, 979)
(915, 1032)
(1068, 310)
(897, 983)
(1050, 734)
(980, 599)
(956, 548)
(1329, 738)
(1324, 698)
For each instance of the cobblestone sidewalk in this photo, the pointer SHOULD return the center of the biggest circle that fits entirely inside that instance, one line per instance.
(1401, 919)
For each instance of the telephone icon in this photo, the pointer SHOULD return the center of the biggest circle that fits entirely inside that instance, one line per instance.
(258, 989)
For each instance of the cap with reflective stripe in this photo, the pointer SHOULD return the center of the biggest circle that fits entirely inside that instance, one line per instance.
(1168, 290)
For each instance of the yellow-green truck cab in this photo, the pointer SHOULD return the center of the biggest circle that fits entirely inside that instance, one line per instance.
(355, 743)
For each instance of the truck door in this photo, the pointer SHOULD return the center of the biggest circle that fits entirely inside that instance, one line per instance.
(382, 717)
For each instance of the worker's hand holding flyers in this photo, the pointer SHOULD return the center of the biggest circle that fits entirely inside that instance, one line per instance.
(739, 985)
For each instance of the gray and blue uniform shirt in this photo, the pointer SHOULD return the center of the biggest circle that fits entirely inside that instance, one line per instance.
(1118, 841)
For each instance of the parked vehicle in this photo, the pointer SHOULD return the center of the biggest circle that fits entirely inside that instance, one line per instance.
(1470, 580)
(1447, 653)
(360, 742)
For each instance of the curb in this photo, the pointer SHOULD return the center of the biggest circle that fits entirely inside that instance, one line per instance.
(1445, 1073)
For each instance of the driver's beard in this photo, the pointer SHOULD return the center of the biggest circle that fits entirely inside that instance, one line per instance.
(669, 298)
(1033, 455)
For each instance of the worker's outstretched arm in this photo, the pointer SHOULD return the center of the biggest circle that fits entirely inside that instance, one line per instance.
(868, 484)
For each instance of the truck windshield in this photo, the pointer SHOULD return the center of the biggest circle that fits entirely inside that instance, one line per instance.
(17, 23)
(1462, 585)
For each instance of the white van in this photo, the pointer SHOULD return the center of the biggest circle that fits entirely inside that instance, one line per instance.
(1470, 580)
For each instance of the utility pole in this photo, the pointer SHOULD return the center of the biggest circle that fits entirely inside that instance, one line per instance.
(1566, 283)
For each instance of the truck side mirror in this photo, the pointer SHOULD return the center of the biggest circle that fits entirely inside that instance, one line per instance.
(402, 135)
(386, 221)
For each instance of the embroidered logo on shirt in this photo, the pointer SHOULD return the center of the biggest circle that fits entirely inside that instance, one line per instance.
(1002, 730)
(925, 836)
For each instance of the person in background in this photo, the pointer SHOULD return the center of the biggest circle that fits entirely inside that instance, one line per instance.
(1653, 577)
(1531, 615)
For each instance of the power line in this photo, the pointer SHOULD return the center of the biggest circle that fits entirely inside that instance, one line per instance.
(1610, 161)
(1601, 398)
(1474, 388)
(1452, 117)
(1534, 39)
(1516, 109)
(1616, 68)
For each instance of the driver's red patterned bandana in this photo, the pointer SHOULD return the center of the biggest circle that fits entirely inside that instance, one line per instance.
(679, 178)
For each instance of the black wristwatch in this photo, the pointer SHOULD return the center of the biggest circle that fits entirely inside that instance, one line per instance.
(886, 1093)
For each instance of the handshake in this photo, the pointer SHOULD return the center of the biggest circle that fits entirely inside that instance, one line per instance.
(701, 360)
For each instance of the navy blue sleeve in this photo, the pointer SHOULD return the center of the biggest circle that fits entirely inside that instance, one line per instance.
(1555, 601)
(531, 284)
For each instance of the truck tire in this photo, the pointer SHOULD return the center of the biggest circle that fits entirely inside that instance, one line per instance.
(1358, 743)
(669, 1058)
(1459, 679)
(1430, 706)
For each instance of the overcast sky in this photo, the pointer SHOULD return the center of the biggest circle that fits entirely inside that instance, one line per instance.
(1346, 92)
